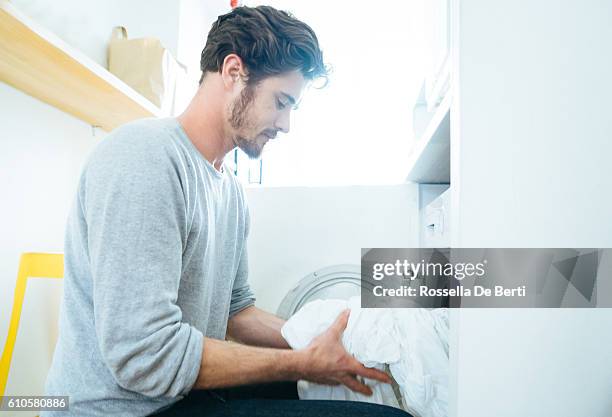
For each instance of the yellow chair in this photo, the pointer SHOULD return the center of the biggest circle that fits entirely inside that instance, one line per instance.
(31, 265)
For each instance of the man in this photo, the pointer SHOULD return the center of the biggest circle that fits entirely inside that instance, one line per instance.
(155, 251)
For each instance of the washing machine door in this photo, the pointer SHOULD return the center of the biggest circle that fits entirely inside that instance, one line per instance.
(339, 282)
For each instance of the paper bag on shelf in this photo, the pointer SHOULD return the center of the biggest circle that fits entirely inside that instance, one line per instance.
(146, 66)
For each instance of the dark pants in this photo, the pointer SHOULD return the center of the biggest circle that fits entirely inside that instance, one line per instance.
(278, 399)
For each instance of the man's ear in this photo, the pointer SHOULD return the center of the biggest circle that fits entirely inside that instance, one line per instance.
(232, 71)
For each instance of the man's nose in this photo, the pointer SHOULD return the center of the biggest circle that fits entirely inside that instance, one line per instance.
(283, 122)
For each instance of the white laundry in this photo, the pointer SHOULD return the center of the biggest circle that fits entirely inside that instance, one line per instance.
(413, 342)
(422, 371)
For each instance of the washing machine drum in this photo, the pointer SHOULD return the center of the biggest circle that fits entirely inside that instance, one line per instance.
(338, 282)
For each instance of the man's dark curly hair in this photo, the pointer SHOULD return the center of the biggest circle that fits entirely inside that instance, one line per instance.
(269, 42)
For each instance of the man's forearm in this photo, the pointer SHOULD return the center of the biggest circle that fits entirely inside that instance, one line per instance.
(255, 327)
(324, 361)
(226, 364)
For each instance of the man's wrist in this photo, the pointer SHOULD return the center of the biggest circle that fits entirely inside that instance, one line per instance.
(293, 363)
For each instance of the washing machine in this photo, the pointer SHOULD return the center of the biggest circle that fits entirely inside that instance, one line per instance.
(333, 282)
(337, 282)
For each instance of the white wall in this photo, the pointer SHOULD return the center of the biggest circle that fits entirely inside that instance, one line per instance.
(195, 19)
(87, 24)
(41, 153)
(530, 169)
(298, 230)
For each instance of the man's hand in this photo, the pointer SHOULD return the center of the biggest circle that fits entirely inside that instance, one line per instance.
(325, 361)
(226, 364)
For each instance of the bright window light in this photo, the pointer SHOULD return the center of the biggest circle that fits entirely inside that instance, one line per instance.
(358, 129)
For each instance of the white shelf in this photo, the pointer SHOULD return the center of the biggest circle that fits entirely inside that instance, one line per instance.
(429, 161)
(42, 65)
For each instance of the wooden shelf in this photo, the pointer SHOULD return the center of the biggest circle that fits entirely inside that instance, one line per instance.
(43, 66)
(429, 161)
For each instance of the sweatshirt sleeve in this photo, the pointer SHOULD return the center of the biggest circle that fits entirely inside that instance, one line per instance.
(135, 213)
(242, 295)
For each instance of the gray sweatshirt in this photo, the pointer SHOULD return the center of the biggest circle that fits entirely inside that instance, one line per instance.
(155, 259)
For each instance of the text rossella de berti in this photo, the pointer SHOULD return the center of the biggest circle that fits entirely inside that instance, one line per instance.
(412, 271)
